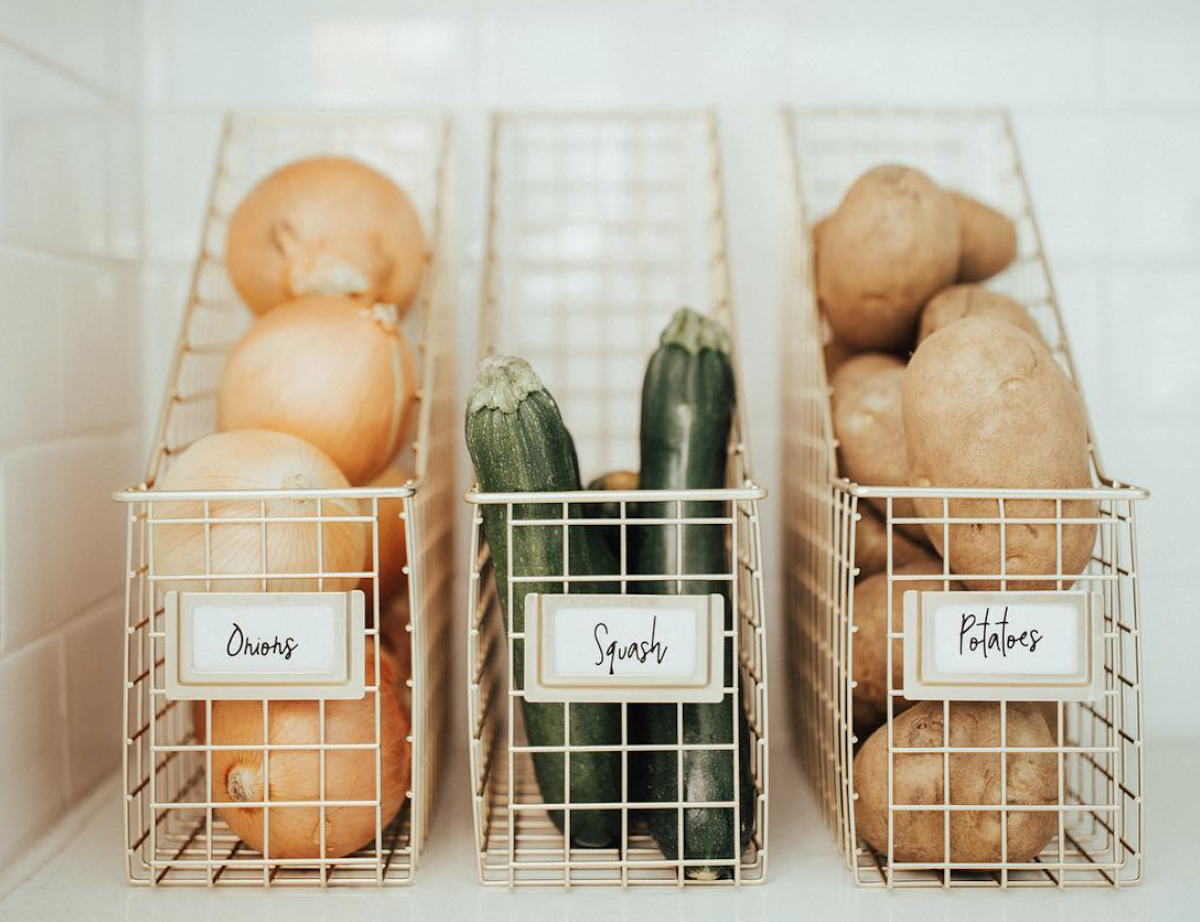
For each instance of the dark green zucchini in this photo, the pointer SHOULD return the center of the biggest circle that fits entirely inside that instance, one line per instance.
(687, 415)
(518, 444)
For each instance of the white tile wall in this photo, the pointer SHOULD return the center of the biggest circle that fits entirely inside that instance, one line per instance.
(108, 115)
(34, 756)
(71, 393)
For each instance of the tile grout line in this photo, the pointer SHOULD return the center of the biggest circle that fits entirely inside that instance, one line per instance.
(64, 716)
(22, 249)
(65, 72)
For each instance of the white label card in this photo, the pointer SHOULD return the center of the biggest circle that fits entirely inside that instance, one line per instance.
(289, 639)
(1003, 645)
(264, 645)
(633, 648)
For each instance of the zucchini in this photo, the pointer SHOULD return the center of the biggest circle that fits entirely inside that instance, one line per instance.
(518, 444)
(687, 415)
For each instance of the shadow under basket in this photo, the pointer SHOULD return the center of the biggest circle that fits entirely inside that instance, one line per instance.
(600, 227)
(1085, 824)
(175, 834)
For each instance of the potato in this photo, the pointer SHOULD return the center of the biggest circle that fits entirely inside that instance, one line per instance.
(818, 228)
(855, 370)
(892, 243)
(869, 426)
(836, 355)
(870, 544)
(959, 301)
(870, 640)
(988, 239)
(975, 835)
(985, 405)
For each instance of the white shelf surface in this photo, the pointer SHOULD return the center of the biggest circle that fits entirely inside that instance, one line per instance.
(807, 878)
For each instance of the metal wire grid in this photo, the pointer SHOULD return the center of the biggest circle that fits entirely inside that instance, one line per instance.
(598, 228)
(173, 835)
(1098, 749)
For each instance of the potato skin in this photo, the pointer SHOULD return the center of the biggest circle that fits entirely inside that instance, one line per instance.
(975, 835)
(870, 544)
(836, 355)
(988, 239)
(960, 301)
(818, 228)
(870, 640)
(856, 370)
(892, 243)
(869, 424)
(985, 405)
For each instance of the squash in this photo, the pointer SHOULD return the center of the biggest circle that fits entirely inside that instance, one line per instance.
(687, 415)
(519, 444)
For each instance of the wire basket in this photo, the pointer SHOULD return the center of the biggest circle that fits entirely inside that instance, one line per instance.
(1097, 754)
(599, 227)
(174, 834)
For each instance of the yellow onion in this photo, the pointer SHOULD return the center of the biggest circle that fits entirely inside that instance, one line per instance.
(333, 371)
(295, 775)
(393, 546)
(257, 460)
(325, 226)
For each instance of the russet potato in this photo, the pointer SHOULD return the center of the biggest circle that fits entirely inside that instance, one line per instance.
(985, 405)
(1031, 779)
(871, 544)
(870, 638)
(960, 301)
(836, 355)
(892, 243)
(988, 239)
(869, 425)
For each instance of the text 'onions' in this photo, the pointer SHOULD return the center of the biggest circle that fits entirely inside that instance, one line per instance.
(257, 460)
(332, 371)
(325, 226)
(296, 774)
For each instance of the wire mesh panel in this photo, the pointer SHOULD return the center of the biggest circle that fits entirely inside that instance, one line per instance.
(353, 763)
(599, 228)
(1088, 811)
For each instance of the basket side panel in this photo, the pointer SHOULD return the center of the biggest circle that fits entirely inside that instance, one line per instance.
(1096, 750)
(599, 228)
(176, 828)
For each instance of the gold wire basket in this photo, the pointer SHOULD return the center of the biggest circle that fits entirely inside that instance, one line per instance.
(1098, 748)
(598, 228)
(173, 834)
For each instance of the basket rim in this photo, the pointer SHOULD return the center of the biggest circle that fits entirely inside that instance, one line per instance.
(749, 491)
(143, 493)
(1109, 489)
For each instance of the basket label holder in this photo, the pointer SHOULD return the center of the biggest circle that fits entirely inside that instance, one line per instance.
(265, 645)
(624, 649)
(1003, 646)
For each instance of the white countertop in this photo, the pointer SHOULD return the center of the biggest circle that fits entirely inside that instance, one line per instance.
(807, 879)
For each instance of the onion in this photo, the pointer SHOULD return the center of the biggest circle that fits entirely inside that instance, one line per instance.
(257, 460)
(325, 226)
(295, 775)
(332, 371)
(393, 547)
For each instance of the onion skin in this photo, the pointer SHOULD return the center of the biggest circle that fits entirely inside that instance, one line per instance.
(294, 775)
(393, 546)
(332, 371)
(325, 226)
(256, 460)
